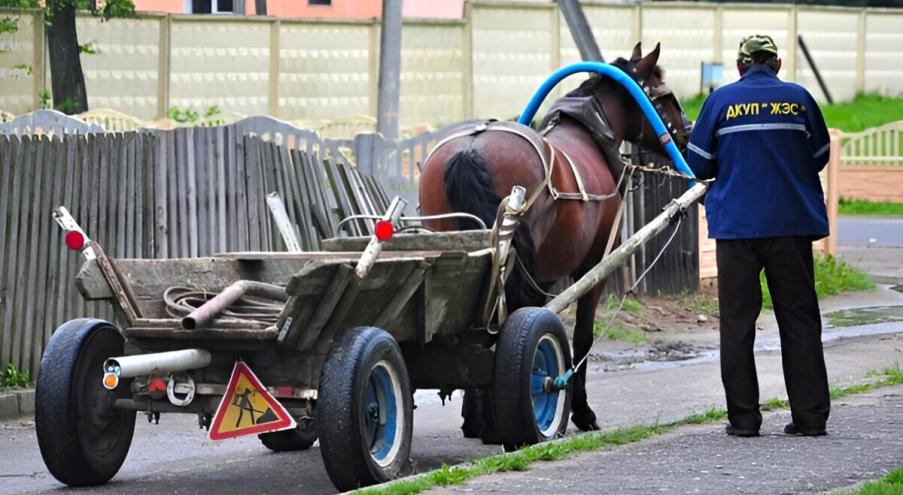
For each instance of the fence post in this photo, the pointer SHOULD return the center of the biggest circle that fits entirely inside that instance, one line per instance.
(860, 53)
(718, 34)
(273, 96)
(363, 153)
(555, 38)
(37, 54)
(373, 66)
(467, 73)
(833, 194)
(163, 67)
(790, 58)
(637, 23)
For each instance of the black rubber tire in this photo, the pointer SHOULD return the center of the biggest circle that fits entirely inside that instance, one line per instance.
(300, 437)
(82, 439)
(514, 354)
(342, 406)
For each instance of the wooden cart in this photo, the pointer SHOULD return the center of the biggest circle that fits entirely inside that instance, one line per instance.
(351, 333)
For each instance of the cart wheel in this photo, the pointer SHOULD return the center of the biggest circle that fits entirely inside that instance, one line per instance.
(364, 410)
(83, 440)
(299, 438)
(532, 350)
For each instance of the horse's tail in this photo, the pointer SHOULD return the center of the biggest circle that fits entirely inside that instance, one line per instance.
(469, 189)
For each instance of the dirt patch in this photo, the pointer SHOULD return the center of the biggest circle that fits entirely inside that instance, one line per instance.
(675, 328)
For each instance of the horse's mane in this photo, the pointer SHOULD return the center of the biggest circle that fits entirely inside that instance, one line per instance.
(588, 87)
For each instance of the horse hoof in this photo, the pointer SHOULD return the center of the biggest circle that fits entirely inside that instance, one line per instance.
(586, 421)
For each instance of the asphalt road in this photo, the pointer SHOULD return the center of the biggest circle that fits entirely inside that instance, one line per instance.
(870, 232)
(175, 457)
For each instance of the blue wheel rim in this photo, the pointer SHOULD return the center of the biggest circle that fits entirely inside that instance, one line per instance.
(381, 415)
(547, 364)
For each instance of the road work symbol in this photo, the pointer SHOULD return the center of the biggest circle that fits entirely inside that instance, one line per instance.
(248, 408)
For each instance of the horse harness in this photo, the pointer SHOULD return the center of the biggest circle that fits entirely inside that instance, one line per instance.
(540, 145)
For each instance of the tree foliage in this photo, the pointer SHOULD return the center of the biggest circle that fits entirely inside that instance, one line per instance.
(66, 75)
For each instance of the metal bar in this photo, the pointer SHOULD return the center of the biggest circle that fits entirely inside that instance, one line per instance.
(580, 30)
(611, 262)
(821, 82)
(228, 297)
(368, 257)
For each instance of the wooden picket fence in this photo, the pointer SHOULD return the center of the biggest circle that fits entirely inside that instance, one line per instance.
(163, 194)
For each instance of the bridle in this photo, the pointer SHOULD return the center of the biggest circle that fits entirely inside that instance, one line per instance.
(659, 95)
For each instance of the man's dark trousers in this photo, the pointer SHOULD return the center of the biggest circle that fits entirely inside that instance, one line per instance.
(789, 272)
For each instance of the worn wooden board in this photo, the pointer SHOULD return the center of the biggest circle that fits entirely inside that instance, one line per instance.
(468, 240)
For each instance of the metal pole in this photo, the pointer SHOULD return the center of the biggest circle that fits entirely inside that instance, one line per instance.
(614, 260)
(821, 82)
(580, 30)
(389, 70)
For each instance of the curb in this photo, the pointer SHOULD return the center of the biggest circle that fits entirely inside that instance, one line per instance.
(15, 403)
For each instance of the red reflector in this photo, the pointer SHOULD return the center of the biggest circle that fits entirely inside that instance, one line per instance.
(157, 385)
(383, 230)
(75, 240)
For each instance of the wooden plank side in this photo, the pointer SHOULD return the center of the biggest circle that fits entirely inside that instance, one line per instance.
(303, 204)
(315, 217)
(220, 159)
(253, 176)
(27, 280)
(314, 189)
(10, 156)
(318, 176)
(190, 215)
(211, 225)
(121, 167)
(343, 202)
(160, 213)
(42, 286)
(128, 223)
(201, 190)
(16, 252)
(239, 173)
(62, 196)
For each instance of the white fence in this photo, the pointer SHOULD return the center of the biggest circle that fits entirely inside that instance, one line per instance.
(486, 65)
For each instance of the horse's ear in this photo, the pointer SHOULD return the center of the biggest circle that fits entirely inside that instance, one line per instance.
(637, 52)
(644, 67)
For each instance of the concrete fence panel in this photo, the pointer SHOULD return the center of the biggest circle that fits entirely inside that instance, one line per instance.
(883, 65)
(830, 35)
(432, 80)
(122, 70)
(219, 62)
(511, 55)
(686, 33)
(21, 64)
(326, 70)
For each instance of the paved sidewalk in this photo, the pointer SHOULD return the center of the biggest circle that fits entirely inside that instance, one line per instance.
(865, 440)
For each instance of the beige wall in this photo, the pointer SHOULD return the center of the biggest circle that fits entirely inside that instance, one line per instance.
(487, 65)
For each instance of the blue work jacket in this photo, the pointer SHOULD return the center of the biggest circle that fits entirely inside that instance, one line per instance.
(764, 141)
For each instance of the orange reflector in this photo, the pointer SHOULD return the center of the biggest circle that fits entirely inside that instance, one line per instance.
(75, 240)
(383, 230)
(110, 381)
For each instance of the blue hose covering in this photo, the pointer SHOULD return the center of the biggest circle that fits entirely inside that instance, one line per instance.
(624, 80)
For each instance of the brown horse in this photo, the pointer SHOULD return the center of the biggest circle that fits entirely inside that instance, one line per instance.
(561, 237)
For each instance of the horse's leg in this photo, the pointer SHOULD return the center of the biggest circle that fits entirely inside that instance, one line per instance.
(582, 415)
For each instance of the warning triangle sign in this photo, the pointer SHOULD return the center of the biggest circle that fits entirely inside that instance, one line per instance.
(248, 408)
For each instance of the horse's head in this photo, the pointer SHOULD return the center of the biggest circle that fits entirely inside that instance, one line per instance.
(649, 76)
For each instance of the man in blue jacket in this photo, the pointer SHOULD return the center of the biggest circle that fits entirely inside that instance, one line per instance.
(764, 141)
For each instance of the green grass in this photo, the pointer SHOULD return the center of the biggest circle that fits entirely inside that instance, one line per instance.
(863, 112)
(13, 378)
(874, 208)
(520, 460)
(631, 305)
(699, 304)
(832, 276)
(618, 332)
(892, 484)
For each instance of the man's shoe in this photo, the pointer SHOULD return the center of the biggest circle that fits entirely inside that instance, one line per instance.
(791, 429)
(740, 432)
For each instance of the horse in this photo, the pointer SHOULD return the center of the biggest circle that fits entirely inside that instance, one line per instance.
(473, 169)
